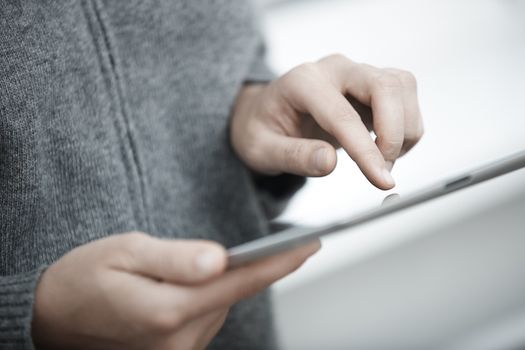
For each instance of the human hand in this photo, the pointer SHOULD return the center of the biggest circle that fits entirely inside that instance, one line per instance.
(295, 123)
(133, 291)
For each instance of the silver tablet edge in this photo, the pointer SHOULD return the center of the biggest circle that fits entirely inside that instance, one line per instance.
(295, 236)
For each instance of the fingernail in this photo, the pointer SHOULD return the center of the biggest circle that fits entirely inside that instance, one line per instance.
(208, 262)
(389, 165)
(388, 178)
(319, 159)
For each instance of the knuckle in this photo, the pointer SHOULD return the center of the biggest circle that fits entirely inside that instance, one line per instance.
(407, 79)
(292, 155)
(297, 75)
(336, 57)
(132, 242)
(296, 81)
(287, 80)
(291, 83)
(308, 68)
(392, 142)
(386, 81)
(390, 145)
(133, 239)
(135, 235)
(273, 108)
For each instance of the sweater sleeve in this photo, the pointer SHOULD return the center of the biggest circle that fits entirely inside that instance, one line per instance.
(16, 310)
(274, 191)
(259, 72)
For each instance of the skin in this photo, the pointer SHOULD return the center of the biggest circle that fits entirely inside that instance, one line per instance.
(295, 123)
(133, 291)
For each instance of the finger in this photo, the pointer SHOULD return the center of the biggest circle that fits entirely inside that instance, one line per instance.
(311, 92)
(300, 156)
(364, 111)
(311, 130)
(216, 324)
(181, 261)
(196, 333)
(383, 91)
(413, 118)
(248, 280)
(169, 306)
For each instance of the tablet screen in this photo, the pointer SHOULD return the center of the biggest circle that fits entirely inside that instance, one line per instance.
(296, 236)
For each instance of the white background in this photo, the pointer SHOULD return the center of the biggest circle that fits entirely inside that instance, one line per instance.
(469, 59)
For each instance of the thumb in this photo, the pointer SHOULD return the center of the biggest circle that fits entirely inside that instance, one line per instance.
(301, 156)
(181, 260)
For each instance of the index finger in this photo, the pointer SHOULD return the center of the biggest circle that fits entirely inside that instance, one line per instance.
(309, 91)
(380, 89)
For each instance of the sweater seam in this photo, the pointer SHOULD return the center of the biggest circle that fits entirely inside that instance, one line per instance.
(119, 99)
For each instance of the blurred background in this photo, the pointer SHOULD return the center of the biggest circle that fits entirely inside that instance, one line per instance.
(449, 274)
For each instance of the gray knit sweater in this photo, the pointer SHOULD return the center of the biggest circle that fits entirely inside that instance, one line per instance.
(113, 118)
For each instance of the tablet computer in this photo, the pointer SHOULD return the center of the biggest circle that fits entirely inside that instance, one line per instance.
(295, 236)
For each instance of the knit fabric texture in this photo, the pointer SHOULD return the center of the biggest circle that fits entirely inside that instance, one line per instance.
(114, 118)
